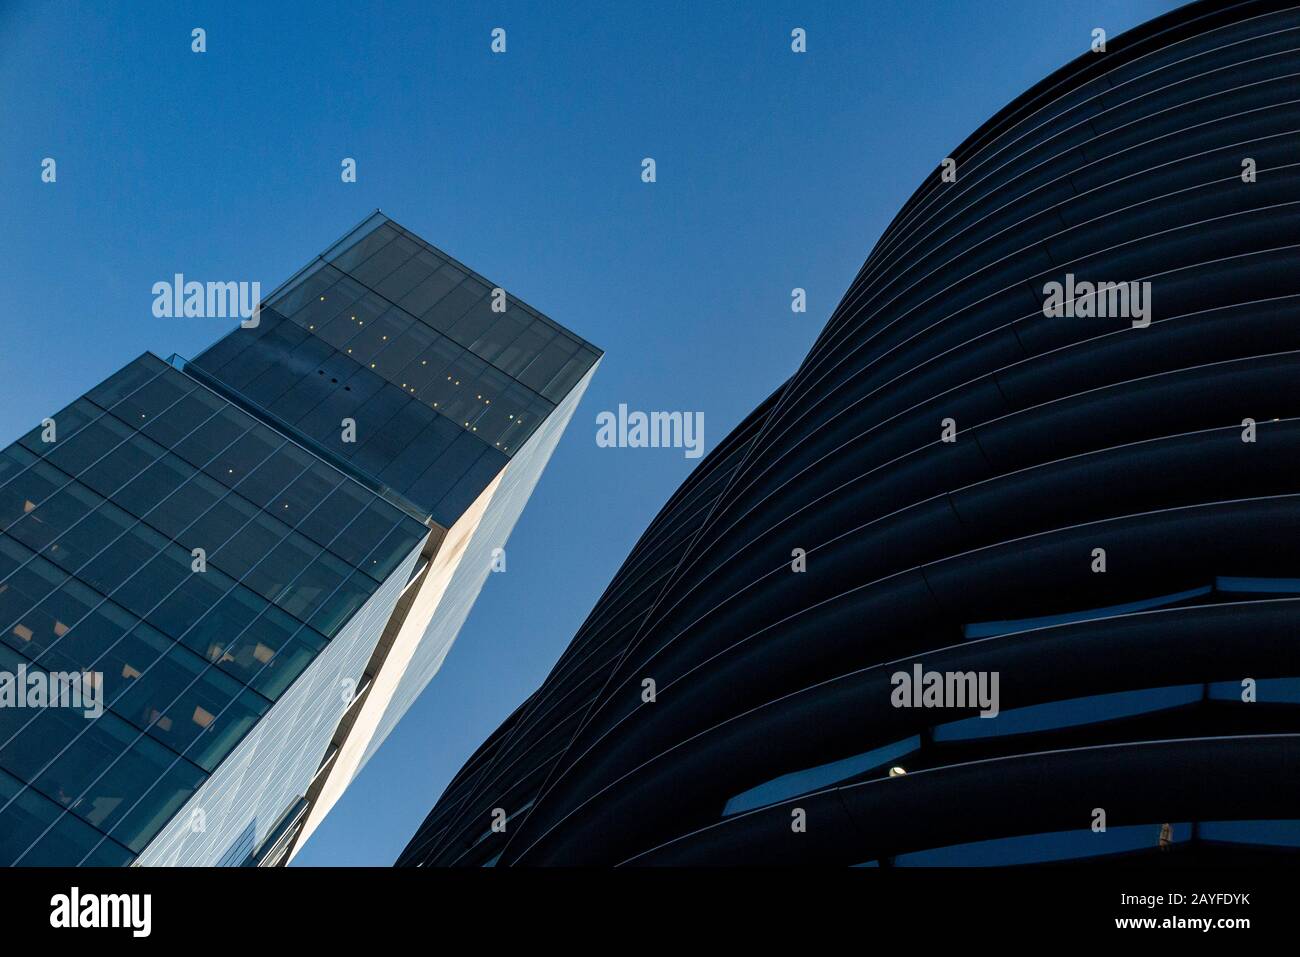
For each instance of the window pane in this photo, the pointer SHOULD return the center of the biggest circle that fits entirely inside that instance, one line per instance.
(248, 653)
(45, 736)
(24, 493)
(221, 733)
(87, 446)
(23, 820)
(343, 505)
(245, 454)
(67, 422)
(55, 616)
(155, 581)
(274, 475)
(12, 461)
(134, 826)
(90, 536)
(154, 484)
(125, 381)
(25, 589)
(271, 576)
(80, 756)
(249, 545)
(121, 465)
(112, 642)
(203, 444)
(197, 595)
(169, 427)
(223, 624)
(216, 526)
(293, 657)
(187, 504)
(341, 605)
(152, 399)
(455, 304)
(68, 842)
(324, 574)
(43, 524)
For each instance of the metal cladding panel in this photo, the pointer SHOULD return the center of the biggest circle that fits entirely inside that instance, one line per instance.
(1099, 508)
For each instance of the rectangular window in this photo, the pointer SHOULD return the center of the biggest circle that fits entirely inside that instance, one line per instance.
(155, 580)
(23, 591)
(274, 475)
(154, 484)
(271, 652)
(249, 545)
(14, 460)
(23, 494)
(153, 398)
(25, 817)
(67, 423)
(218, 524)
(71, 840)
(289, 662)
(43, 524)
(121, 465)
(196, 596)
(171, 426)
(122, 559)
(271, 577)
(110, 641)
(46, 624)
(178, 511)
(133, 822)
(82, 450)
(88, 537)
(223, 624)
(342, 604)
(213, 436)
(319, 580)
(125, 381)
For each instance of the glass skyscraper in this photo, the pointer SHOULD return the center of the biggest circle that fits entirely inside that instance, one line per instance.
(264, 554)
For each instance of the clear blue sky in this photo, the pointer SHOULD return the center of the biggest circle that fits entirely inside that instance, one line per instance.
(775, 170)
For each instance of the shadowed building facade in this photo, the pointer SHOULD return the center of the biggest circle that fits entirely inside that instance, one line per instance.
(1100, 512)
(264, 553)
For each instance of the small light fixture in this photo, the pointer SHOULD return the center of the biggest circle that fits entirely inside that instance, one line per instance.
(897, 771)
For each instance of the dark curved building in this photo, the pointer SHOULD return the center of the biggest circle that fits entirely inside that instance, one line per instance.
(1101, 514)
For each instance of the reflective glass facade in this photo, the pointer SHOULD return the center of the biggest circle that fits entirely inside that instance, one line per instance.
(390, 332)
(97, 536)
(201, 536)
